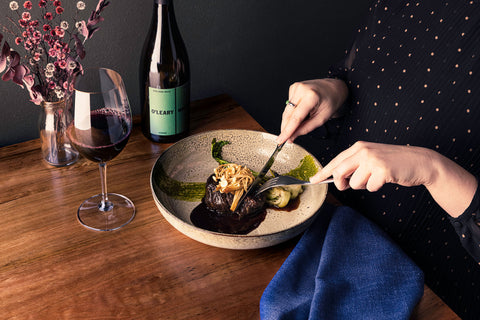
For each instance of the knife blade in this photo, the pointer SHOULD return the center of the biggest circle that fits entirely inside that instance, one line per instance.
(261, 174)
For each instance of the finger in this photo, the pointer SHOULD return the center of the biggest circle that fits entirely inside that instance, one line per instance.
(304, 102)
(293, 120)
(327, 171)
(375, 182)
(342, 176)
(342, 167)
(359, 178)
(287, 113)
(284, 134)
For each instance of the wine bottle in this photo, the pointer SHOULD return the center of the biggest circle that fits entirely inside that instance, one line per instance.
(164, 78)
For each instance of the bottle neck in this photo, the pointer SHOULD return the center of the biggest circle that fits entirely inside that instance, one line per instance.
(163, 6)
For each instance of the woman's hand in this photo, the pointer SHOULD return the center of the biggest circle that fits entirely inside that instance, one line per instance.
(369, 166)
(315, 102)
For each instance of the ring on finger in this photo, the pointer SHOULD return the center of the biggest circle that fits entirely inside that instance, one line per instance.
(288, 103)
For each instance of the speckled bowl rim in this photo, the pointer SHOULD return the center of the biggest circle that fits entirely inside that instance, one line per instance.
(294, 229)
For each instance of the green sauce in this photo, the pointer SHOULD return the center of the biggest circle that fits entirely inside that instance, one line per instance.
(305, 170)
(186, 191)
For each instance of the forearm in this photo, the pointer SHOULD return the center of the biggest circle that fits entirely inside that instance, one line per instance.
(450, 185)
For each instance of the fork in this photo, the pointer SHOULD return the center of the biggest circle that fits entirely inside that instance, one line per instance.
(285, 181)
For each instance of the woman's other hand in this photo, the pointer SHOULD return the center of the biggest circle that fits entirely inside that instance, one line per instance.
(315, 101)
(369, 166)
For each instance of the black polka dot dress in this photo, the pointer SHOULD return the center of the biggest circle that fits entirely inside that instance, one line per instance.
(414, 77)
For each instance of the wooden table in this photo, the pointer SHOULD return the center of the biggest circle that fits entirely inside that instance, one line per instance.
(53, 268)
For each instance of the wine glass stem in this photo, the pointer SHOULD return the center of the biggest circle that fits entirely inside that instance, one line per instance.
(105, 205)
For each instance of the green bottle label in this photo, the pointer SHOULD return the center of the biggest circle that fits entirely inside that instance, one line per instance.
(169, 110)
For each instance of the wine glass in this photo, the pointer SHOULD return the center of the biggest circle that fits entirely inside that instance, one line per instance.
(99, 130)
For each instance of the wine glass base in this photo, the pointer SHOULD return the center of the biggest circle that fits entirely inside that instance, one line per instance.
(120, 212)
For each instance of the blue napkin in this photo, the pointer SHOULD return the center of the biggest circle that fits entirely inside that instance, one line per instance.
(343, 267)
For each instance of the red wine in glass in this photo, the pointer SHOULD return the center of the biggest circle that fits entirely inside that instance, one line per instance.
(104, 140)
(100, 127)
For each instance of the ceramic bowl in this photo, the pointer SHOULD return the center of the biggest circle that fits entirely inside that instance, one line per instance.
(190, 160)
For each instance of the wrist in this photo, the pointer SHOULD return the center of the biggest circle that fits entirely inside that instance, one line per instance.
(450, 185)
(434, 162)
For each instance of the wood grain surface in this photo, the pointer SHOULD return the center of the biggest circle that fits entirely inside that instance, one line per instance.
(53, 268)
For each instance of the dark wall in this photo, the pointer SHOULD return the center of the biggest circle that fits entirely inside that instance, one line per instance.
(250, 49)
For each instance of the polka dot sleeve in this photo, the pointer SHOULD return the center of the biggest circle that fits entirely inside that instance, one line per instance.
(341, 69)
(467, 227)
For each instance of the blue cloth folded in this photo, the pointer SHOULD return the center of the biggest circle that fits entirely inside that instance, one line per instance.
(343, 267)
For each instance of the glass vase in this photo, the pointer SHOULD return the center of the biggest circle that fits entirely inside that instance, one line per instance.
(56, 147)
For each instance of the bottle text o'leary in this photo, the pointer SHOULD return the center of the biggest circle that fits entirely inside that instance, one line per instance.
(163, 112)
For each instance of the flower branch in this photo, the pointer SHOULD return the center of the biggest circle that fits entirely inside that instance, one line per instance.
(52, 49)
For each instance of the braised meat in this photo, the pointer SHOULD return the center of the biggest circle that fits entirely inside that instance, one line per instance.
(221, 202)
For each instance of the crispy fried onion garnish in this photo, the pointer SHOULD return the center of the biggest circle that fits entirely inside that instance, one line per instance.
(233, 178)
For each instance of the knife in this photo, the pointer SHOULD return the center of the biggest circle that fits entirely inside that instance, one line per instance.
(261, 174)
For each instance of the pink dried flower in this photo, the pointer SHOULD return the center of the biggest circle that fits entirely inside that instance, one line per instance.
(72, 65)
(23, 23)
(54, 52)
(28, 45)
(81, 5)
(14, 5)
(64, 25)
(50, 67)
(59, 32)
(37, 35)
(26, 16)
(62, 64)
